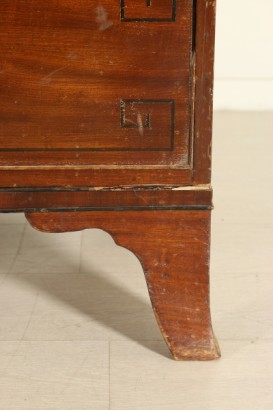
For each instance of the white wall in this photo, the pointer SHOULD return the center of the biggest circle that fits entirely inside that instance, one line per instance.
(244, 55)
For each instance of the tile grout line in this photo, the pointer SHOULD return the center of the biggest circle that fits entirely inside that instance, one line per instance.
(81, 244)
(30, 316)
(16, 255)
(4, 279)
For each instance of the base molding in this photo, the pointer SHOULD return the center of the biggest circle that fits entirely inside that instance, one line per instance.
(20, 200)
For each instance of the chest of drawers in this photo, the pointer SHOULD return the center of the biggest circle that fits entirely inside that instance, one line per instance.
(105, 122)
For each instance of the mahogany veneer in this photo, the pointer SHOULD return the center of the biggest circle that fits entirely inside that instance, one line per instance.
(105, 122)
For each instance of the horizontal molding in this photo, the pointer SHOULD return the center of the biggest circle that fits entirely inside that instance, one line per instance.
(105, 200)
(115, 209)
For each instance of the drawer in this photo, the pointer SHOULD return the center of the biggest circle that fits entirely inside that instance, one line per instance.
(93, 85)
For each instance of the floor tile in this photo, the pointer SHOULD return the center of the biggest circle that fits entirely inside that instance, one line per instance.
(12, 218)
(141, 380)
(46, 253)
(10, 237)
(10, 242)
(242, 306)
(242, 248)
(242, 167)
(99, 247)
(54, 375)
(87, 307)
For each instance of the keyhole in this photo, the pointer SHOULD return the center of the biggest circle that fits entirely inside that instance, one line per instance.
(149, 3)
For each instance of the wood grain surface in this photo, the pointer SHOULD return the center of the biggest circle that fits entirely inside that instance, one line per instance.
(126, 87)
(82, 85)
(173, 248)
(111, 199)
(105, 122)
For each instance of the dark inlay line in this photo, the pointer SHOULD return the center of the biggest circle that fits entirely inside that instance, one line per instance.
(109, 208)
(148, 121)
(123, 17)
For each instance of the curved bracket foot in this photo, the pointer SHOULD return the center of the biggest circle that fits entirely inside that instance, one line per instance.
(173, 248)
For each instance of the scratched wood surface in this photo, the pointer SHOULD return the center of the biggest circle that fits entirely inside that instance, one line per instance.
(112, 86)
(105, 122)
(110, 198)
(81, 83)
(173, 248)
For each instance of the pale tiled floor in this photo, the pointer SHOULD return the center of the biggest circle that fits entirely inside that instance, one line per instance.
(76, 328)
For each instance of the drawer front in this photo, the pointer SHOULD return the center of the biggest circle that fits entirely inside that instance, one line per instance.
(97, 84)
(89, 83)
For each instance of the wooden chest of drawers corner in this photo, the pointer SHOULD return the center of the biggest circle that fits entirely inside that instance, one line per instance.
(105, 122)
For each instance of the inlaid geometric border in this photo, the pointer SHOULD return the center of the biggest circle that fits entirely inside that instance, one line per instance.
(123, 17)
(147, 122)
